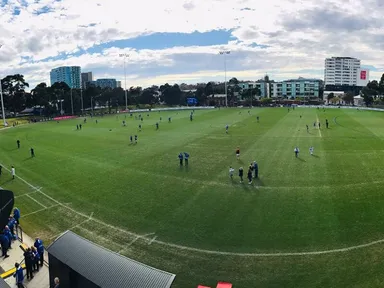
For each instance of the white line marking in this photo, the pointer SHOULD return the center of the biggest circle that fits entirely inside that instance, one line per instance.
(153, 239)
(26, 194)
(213, 252)
(30, 197)
(73, 227)
(37, 211)
(318, 121)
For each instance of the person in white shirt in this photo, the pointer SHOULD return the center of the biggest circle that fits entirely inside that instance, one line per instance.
(311, 150)
(13, 172)
(296, 151)
(231, 171)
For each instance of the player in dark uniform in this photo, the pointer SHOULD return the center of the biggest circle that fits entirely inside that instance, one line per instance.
(32, 152)
(241, 173)
(18, 144)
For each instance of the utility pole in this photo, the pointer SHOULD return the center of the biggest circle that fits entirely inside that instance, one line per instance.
(81, 95)
(72, 101)
(225, 53)
(2, 99)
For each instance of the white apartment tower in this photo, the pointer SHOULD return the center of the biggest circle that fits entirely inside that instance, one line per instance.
(342, 71)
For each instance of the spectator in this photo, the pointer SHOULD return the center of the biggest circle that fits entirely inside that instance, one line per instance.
(40, 249)
(7, 232)
(36, 258)
(19, 275)
(11, 225)
(57, 283)
(28, 257)
(4, 245)
(16, 215)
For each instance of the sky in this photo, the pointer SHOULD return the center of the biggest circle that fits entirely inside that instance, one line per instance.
(178, 41)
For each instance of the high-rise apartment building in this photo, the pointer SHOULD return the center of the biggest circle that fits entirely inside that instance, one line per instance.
(341, 71)
(68, 74)
(86, 78)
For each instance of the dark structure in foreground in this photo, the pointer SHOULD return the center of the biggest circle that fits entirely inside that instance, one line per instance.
(81, 263)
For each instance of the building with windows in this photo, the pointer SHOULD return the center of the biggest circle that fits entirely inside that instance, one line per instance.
(106, 83)
(118, 84)
(344, 71)
(86, 79)
(71, 75)
(294, 88)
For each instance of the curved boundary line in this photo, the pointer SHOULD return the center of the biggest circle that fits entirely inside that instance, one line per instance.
(214, 252)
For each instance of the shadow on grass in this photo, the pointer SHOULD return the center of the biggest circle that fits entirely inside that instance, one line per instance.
(301, 159)
(315, 156)
(29, 158)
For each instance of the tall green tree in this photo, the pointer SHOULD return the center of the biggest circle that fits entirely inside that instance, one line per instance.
(148, 96)
(14, 92)
(171, 95)
(348, 97)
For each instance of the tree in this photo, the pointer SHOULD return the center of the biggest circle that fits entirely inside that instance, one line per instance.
(14, 92)
(330, 96)
(200, 95)
(381, 85)
(171, 95)
(348, 98)
(147, 96)
(367, 93)
(134, 94)
(233, 81)
(208, 90)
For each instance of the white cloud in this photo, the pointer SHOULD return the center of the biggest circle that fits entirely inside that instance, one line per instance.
(299, 35)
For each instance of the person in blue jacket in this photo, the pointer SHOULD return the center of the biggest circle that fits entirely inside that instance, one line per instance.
(186, 157)
(11, 224)
(16, 215)
(181, 158)
(40, 249)
(4, 245)
(19, 275)
(8, 234)
(256, 169)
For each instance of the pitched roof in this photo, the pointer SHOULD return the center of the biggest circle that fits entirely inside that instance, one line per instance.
(86, 258)
(3, 284)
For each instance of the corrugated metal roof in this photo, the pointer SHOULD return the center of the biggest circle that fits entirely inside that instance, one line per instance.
(3, 284)
(106, 268)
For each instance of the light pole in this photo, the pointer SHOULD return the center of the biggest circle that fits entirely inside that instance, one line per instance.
(125, 80)
(81, 95)
(72, 101)
(2, 103)
(2, 99)
(225, 53)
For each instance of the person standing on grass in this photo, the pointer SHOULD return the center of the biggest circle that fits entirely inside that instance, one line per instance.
(139, 127)
(169, 119)
(231, 171)
(40, 249)
(135, 139)
(13, 172)
(256, 169)
(18, 144)
(296, 150)
(186, 157)
(226, 128)
(181, 158)
(80, 126)
(157, 125)
(77, 127)
(32, 152)
(241, 174)
(249, 175)
(307, 128)
(238, 153)
(311, 150)
(19, 275)
(326, 123)
(131, 138)
(257, 118)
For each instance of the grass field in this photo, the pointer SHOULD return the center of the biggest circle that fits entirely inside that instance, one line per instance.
(195, 221)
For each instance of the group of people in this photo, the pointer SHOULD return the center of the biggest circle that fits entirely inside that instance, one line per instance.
(253, 172)
(34, 259)
(183, 157)
(31, 150)
(297, 151)
(8, 234)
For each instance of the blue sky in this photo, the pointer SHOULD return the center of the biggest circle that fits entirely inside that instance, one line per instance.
(170, 41)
